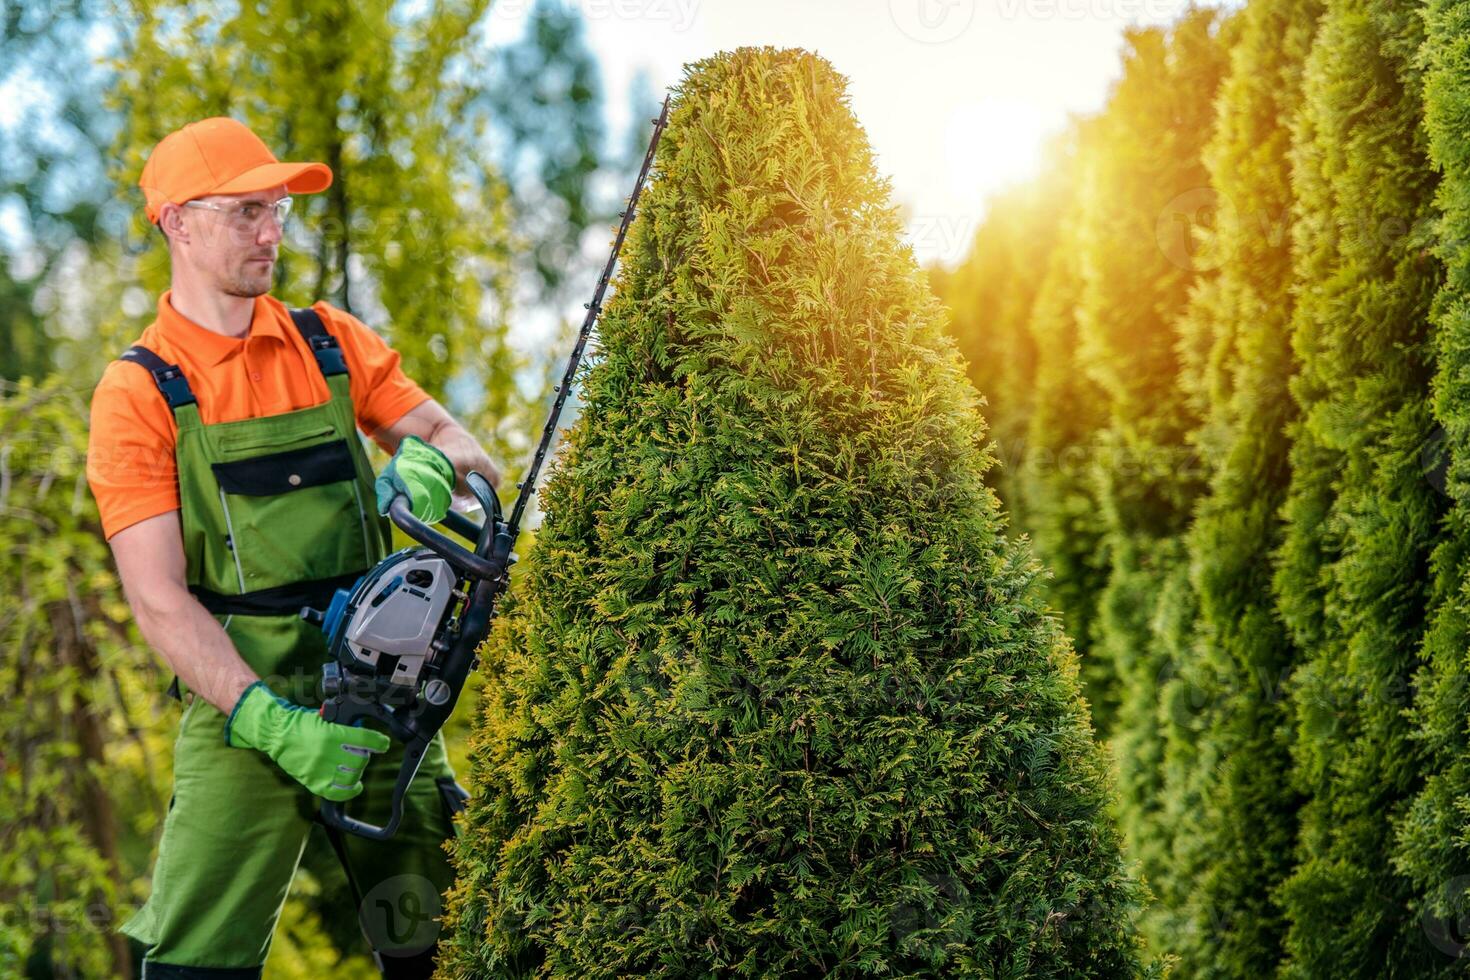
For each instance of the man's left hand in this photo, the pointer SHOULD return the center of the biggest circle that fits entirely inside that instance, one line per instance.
(429, 422)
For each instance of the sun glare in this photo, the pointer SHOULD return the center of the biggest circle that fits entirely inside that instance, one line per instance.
(991, 143)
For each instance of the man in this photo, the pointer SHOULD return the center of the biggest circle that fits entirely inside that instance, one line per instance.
(234, 489)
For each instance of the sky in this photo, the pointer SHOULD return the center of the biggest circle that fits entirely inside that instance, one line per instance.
(957, 96)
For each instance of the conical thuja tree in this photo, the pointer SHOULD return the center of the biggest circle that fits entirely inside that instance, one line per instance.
(775, 696)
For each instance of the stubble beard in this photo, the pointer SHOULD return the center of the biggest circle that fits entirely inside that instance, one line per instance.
(248, 286)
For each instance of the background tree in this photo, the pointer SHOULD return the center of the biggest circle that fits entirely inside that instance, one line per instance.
(991, 297)
(1353, 568)
(53, 180)
(1054, 410)
(543, 112)
(776, 695)
(75, 704)
(1228, 791)
(1432, 836)
(1109, 474)
(1137, 268)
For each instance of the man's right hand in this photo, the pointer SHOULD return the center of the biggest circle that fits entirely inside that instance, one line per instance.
(326, 758)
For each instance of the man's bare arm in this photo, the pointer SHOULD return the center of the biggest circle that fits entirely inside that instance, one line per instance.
(432, 423)
(150, 562)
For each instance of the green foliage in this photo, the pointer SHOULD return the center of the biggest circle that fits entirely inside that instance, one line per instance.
(1228, 796)
(1056, 486)
(1080, 358)
(775, 695)
(76, 717)
(1137, 269)
(1433, 836)
(1353, 569)
(1289, 621)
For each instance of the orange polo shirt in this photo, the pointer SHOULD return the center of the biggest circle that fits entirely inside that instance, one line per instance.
(130, 452)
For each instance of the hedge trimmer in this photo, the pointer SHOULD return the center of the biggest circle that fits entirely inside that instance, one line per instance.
(403, 640)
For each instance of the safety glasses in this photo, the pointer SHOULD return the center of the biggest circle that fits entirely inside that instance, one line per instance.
(247, 215)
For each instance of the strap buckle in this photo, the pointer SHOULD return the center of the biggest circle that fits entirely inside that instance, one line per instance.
(329, 358)
(175, 388)
(328, 353)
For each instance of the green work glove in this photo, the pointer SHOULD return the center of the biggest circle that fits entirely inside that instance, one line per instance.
(326, 758)
(423, 473)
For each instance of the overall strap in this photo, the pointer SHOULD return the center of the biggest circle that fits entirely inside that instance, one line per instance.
(176, 391)
(170, 380)
(323, 345)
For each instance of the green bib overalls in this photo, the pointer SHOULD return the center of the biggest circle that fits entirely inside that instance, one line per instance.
(277, 513)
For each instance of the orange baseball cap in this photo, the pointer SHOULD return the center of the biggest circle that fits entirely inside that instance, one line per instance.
(220, 156)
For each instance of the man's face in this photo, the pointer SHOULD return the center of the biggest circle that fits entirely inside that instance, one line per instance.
(233, 250)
